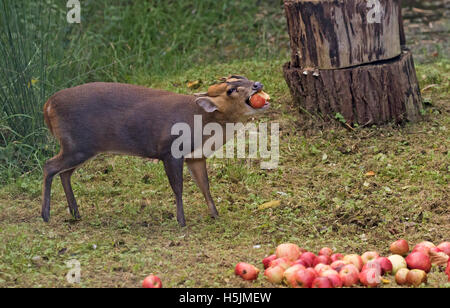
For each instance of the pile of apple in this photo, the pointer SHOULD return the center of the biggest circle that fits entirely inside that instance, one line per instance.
(299, 268)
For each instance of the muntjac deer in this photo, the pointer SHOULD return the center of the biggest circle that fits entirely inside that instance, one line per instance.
(125, 119)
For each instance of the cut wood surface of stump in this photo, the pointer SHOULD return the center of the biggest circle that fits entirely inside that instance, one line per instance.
(332, 34)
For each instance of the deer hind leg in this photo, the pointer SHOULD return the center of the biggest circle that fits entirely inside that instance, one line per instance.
(61, 163)
(72, 202)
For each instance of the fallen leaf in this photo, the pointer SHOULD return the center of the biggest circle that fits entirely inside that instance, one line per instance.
(370, 173)
(271, 204)
(194, 84)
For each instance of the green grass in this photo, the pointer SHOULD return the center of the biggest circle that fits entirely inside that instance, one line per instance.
(128, 208)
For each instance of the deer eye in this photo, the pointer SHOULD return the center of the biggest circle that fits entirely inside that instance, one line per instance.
(230, 91)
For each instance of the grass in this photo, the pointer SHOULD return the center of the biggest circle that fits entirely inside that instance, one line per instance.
(129, 230)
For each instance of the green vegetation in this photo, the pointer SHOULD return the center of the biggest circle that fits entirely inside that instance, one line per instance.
(128, 228)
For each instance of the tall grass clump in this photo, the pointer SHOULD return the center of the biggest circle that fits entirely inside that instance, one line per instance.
(34, 63)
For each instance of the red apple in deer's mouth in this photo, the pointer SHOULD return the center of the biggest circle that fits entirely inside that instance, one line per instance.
(421, 248)
(152, 282)
(355, 260)
(274, 274)
(419, 260)
(369, 256)
(416, 277)
(427, 244)
(326, 252)
(445, 247)
(322, 283)
(266, 261)
(370, 277)
(246, 271)
(290, 251)
(400, 247)
(400, 277)
(349, 275)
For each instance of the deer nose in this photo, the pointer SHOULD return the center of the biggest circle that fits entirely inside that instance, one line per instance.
(257, 86)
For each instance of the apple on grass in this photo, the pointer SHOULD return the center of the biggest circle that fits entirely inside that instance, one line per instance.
(289, 273)
(422, 249)
(385, 264)
(399, 247)
(369, 256)
(283, 262)
(397, 262)
(152, 282)
(336, 257)
(349, 275)
(338, 265)
(303, 279)
(322, 283)
(335, 279)
(319, 268)
(416, 277)
(370, 277)
(373, 264)
(274, 274)
(266, 261)
(290, 251)
(246, 271)
(400, 277)
(326, 252)
(322, 260)
(419, 260)
(445, 247)
(308, 258)
(355, 260)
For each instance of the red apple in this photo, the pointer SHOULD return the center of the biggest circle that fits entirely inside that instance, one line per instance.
(289, 273)
(303, 279)
(308, 258)
(322, 283)
(283, 262)
(274, 274)
(397, 262)
(373, 264)
(418, 260)
(369, 256)
(290, 251)
(370, 277)
(355, 260)
(335, 279)
(385, 264)
(435, 250)
(349, 275)
(246, 271)
(301, 262)
(319, 268)
(337, 257)
(338, 265)
(421, 248)
(416, 277)
(322, 260)
(400, 277)
(257, 101)
(400, 247)
(266, 261)
(445, 247)
(326, 252)
(328, 272)
(312, 271)
(427, 244)
(152, 282)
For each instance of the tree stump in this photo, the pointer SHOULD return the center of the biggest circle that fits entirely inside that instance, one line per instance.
(347, 58)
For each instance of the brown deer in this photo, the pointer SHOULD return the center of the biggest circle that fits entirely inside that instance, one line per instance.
(126, 119)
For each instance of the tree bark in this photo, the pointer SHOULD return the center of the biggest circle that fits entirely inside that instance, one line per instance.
(332, 34)
(368, 94)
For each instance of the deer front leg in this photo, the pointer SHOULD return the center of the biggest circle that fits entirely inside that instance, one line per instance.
(174, 171)
(198, 170)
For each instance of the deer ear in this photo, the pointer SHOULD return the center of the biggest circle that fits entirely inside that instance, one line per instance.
(207, 104)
